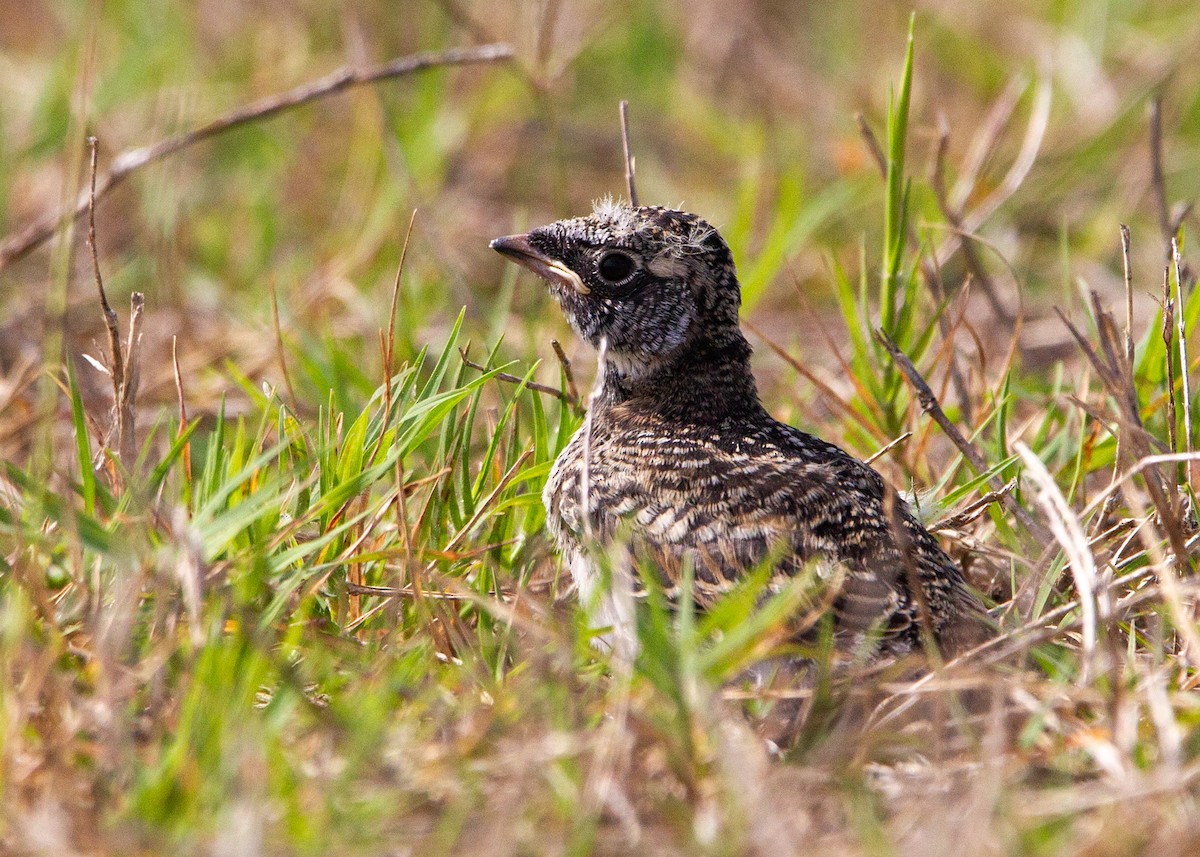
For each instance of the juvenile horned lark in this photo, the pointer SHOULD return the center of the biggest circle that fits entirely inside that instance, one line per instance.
(683, 458)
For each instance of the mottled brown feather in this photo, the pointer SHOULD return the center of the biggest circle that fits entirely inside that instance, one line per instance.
(684, 460)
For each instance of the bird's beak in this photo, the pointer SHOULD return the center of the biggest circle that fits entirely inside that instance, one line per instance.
(518, 248)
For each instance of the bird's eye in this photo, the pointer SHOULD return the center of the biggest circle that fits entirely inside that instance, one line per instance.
(615, 267)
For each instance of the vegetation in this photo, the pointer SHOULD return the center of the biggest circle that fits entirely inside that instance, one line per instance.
(278, 584)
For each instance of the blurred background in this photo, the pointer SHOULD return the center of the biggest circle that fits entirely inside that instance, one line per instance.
(743, 112)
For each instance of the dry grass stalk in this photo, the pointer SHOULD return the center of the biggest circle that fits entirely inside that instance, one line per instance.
(1168, 336)
(954, 216)
(123, 365)
(1128, 271)
(1116, 375)
(20, 244)
(1185, 383)
(1069, 532)
(888, 447)
(509, 378)
(931, 406)
(568, 375)
(629, 165)
(116, 363)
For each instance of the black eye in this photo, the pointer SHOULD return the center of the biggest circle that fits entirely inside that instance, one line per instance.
(615, 267)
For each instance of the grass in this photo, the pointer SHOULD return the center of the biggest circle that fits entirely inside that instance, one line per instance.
(319, 613)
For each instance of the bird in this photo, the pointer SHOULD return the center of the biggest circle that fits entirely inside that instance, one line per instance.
(679, 456)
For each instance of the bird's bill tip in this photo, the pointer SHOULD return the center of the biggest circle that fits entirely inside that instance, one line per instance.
(518, 248)
(512, 245)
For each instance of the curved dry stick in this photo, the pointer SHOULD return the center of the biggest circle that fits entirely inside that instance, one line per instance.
(20, 244)
(1035, 131)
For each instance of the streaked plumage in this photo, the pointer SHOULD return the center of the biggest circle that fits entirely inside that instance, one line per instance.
(684, 458)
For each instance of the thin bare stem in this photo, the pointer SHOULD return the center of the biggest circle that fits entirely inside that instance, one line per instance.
(930, 405)
(973, 509)
(116, 362)
(987, 136)
(873, 147)
(1128, 294)
(629, 166)
(514, 379)
(954, 217)
(1185, 383)
(884, 450)
(126, 411)
(1168, 337)
(20, 244)
(568, 375)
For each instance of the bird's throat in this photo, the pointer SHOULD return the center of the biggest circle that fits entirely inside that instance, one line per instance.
(706, 381)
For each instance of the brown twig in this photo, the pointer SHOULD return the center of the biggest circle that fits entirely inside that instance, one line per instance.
(831, 396)
(873, 147)
(116, 362)
(974, 509)
(930, 406)
(954, 217)
(415, 593)
(1116, 376)
(987, 136)
(513, 379)
(884, 450)
(891, 503)
(629, 166)
(568, 374)
(122, 366)
(16, 246)
(548, 13)
(993, 126)
(1035, 132)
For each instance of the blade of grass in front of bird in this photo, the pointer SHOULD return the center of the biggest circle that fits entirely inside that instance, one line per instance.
(438, 374)
(497, 434)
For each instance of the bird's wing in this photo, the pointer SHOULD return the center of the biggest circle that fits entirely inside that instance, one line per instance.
(732, 509)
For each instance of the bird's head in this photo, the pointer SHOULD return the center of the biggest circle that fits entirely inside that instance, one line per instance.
(649, 280)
